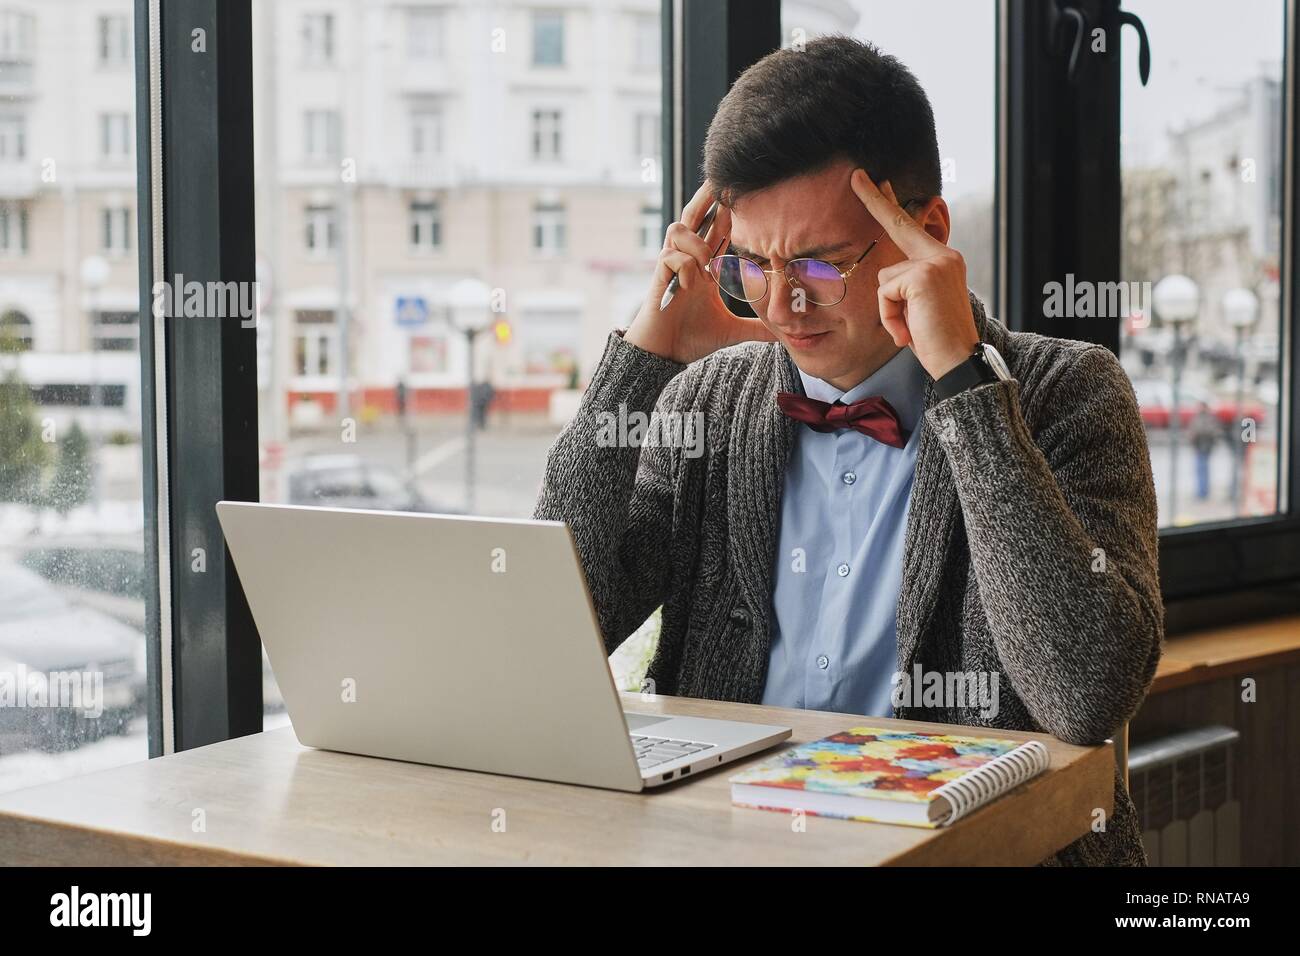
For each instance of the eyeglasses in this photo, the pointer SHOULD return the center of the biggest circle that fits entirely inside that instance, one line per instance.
(821, 282)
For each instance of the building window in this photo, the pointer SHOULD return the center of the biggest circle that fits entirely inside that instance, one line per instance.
(16, 32)
(547, 135)
(548, 229)
(321, 229)
(428, 353)
(426, 133)
(315, 342)
(115, 136)
(549, 341)
(115, 332)
(114, 40)
(115, 224)
(318, 39)
(321, 136)
(426, 226)
(425, 29)
(651, 230)
(646, 134)
(548, 38)
(13, 228)
(645, 43)
(13, 137)
(16, 332)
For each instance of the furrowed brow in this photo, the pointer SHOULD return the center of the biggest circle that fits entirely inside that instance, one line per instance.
(815, 252)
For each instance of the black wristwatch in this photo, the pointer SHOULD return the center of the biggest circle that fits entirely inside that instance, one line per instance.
(984, 366)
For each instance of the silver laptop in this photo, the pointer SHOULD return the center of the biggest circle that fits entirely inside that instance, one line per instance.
(456, 641)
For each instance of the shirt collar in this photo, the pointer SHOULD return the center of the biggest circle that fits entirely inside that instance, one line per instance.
(901, 381)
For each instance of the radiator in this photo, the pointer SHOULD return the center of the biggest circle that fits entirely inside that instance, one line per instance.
(1182, 787)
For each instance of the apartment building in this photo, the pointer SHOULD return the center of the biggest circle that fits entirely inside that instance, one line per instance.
(411, 153)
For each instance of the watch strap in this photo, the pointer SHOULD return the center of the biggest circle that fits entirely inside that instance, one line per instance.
(969, 374)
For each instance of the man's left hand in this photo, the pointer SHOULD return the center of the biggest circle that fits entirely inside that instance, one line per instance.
(924, 302)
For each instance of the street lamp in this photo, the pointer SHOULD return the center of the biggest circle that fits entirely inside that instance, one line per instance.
(469, 312)
(1176, 299)
(1241, 309)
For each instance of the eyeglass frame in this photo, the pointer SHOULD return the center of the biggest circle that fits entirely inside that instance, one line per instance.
(844, 276)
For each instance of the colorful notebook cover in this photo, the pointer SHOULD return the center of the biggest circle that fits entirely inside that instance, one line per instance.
(870, 763)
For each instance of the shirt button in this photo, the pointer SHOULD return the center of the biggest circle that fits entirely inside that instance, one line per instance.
(823, 661)
(842, 570)
(848, 477)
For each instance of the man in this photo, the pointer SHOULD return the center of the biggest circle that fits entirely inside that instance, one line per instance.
(1205, 433)
(959, 516)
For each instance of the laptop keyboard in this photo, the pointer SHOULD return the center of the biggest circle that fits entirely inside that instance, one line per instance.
(652, 751)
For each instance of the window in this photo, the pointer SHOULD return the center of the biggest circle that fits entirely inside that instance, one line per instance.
(15, 332)
(316, 342)
(13, 228)
(321, 229)
(646, 39)
(428, 353)
(547, 135)
(115, 223)
(646, 135)
(426, 226)
(114, 40)
(116, 332)
(548, 38)
(550, 341)
(426, 133)
(425, 29)
(73, 578)
(318, 39)
(548, 229)
(115, 136)
(650, 230)
(16, 32)
(321, 136)
(13, 137)
(1201, 155)
(476, 250)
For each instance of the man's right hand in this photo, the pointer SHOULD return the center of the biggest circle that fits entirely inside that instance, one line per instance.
(696, 322)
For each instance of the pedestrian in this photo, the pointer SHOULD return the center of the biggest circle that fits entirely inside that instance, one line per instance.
(1205, 432)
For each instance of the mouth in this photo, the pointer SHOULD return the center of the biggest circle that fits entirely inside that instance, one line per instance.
(805, 341)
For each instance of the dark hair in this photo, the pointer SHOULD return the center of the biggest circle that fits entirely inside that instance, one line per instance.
(795, 111)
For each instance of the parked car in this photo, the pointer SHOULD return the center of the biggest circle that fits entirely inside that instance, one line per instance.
(111, 578)
(349, 481)
(1156, 399)
(42, 632)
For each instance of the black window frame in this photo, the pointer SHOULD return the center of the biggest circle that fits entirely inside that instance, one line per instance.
(194, 129)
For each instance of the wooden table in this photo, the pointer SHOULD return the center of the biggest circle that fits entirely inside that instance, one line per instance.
(265, 799)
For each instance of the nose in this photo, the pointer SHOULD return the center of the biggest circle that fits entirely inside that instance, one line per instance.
(785, 304)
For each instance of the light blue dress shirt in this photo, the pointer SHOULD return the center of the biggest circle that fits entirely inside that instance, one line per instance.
(839, 561)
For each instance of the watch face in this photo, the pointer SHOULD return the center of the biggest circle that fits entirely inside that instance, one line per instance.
(996, 363)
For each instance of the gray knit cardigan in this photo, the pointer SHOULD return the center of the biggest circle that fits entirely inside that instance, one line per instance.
(1030, 550)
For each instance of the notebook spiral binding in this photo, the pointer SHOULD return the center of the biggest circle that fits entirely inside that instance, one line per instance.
(973, 790)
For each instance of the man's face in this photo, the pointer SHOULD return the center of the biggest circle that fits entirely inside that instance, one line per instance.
(818, 216)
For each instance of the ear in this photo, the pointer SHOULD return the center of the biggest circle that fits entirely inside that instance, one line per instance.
(935, 218)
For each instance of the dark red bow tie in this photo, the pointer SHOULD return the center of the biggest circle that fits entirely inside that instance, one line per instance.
(871, 416)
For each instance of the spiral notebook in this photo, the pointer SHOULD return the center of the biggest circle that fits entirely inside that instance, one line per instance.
(889, 776)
